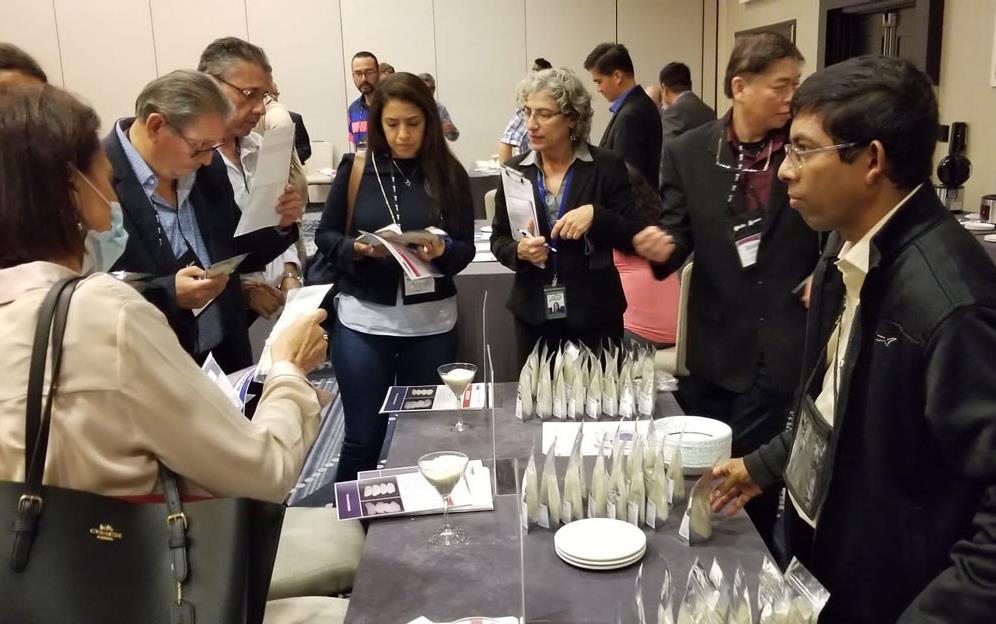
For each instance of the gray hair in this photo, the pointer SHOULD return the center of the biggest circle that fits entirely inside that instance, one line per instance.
(217, 59)
(569, 93)
(182, 96)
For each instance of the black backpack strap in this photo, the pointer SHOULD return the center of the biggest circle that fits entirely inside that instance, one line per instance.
(51, 324)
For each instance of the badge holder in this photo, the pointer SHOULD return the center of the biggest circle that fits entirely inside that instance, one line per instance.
(555, 301)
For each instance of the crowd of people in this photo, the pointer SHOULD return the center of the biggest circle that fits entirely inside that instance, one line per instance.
(839, 319)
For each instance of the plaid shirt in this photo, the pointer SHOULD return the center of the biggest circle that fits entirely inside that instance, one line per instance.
(515, 134)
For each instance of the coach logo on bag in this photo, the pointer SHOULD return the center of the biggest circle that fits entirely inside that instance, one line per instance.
(105, 533)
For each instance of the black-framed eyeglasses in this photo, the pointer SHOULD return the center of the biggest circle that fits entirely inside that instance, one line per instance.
(738, 167)
(542, 115)
(196, 149)
(797, 157)
(250, 95)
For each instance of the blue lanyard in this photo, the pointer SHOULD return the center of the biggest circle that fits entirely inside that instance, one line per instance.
(565, 186)
(563, 198)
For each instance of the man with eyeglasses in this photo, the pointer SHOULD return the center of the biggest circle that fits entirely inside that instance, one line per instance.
(366, 74)
(890, 465)
(181, 217)
(752, 253)
(247, 79)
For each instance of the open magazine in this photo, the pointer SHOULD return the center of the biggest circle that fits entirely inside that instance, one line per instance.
(401, 247)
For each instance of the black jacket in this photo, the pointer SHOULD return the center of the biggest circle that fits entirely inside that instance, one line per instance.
(377, 279)
(634, 133)
(594, 292)
(908, 527)
(149, 251)
(736, 316)
(687, 112)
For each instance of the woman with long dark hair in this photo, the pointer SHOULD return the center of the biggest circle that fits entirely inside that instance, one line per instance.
(390, 329)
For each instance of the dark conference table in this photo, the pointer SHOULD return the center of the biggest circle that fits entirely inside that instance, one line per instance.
(402, 577)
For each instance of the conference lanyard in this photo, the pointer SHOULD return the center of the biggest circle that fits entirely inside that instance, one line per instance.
(566, 186)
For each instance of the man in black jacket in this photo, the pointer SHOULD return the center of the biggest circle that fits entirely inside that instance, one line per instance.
(684, 111)
(181, 215)
(723, 201)
(891, 470)
(634, 132)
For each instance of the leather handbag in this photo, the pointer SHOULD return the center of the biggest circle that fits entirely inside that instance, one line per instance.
(74, 556)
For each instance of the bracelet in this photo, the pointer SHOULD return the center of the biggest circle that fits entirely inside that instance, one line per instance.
(295, 276)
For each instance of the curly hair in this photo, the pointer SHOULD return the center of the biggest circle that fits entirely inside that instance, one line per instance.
(569, 93)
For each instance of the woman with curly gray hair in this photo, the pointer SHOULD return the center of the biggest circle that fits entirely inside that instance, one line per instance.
(566, 286)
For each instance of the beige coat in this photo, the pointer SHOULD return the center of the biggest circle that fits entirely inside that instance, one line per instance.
(129, 394)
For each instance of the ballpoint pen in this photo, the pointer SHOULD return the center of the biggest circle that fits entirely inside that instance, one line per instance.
(528, 235)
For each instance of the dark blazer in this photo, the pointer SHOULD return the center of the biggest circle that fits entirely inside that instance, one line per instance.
(149, 251)
(634, 133)
(594, 291)
(736, 316)
(377, 279)
(687, 112)
(916, 397)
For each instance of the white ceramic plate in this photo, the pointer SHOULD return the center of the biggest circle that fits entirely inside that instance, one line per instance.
(624, 561)
(977, 226)
(607, 566)
(705, 441)
(600, 540)
(990, 238)
(486, 229)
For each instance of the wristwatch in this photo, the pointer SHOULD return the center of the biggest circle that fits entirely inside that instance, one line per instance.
(294, 276)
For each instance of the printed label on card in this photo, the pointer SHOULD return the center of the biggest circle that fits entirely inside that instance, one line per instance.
(421, 286)
(565, 512)
(610, 509)
(747, 249)
(683, 529)
(544, 516)
(670, 491)
(524, 513)
(633, 513)
(651, 517)
(591, 507)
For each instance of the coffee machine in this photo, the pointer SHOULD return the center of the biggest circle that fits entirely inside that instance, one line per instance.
(954, 170)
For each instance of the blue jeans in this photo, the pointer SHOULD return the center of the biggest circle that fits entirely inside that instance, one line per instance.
(366, 365)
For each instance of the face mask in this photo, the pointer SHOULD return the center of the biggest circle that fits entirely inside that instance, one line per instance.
(104, 248)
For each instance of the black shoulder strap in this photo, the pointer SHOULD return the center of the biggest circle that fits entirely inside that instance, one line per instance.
(51, 323)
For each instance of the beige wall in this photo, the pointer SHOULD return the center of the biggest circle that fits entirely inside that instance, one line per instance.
(734, 17)
(965, 94)
(106, 50)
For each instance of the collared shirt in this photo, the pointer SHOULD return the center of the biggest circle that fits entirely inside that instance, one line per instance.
(618, 102)
(515, 134)
(357, 121)
(553, 201)
(241, 179)
(444, 115)
(756, 187)
(853, 261)
(179, 224)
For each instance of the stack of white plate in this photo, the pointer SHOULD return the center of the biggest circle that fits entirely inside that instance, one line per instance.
(600, 544)
(704, 441)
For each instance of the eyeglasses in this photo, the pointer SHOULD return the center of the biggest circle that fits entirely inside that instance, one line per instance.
(542, 115)
(195, 148)
(736, 167)
(797, 157)
(366, 73)
(250, 95)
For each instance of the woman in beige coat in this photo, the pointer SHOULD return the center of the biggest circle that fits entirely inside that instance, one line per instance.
(129, 395)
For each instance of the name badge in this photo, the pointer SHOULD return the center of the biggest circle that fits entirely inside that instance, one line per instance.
(747, 239)
(423, 286)
(807, 472)
(555, 298)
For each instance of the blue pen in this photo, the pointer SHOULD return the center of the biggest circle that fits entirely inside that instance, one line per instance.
(547, 245)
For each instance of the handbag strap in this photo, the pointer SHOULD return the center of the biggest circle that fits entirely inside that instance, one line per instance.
(51, 324)
(176, 526)
(353, 189)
